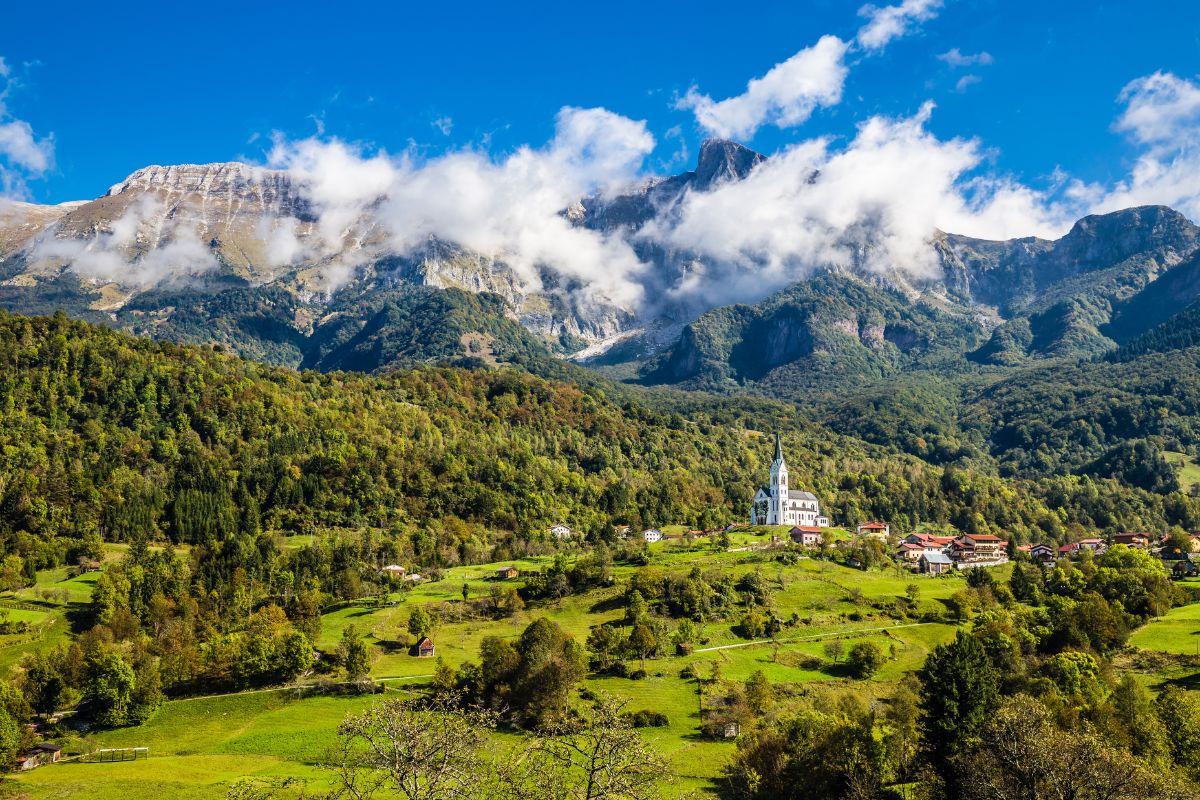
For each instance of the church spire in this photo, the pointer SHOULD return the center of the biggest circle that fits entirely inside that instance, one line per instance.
(778, 449)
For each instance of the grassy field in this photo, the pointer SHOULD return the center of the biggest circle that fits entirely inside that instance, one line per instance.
(199, 746)
(1189, 470)
(1178, 631)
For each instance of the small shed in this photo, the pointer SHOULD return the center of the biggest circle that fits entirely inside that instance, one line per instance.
(507, 573)
(731, 730)
(934, 563)
(394, 570)
(38, 755)
(424, 648)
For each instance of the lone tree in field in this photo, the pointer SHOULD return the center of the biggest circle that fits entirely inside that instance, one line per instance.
(354, 655)
(419, 750)
(419, 623)
(643, 642)
(864, 659)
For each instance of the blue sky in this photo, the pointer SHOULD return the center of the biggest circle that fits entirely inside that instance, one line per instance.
(112, 90)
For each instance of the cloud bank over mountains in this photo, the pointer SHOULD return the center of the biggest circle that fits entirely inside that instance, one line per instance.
(872, 202)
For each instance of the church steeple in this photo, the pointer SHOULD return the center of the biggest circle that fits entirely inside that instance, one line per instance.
(778, 449)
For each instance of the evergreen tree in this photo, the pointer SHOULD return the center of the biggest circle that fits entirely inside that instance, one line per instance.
(959, 693)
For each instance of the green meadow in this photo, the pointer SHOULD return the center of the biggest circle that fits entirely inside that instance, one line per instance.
(199, 746)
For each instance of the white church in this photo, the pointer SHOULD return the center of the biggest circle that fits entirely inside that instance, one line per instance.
(778, 505)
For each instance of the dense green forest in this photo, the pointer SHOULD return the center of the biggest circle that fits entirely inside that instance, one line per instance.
(108, 436)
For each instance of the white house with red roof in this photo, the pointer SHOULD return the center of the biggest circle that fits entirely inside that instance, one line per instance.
(875, 528)
(978, 549)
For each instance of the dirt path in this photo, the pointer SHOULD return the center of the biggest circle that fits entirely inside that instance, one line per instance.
(813, 637)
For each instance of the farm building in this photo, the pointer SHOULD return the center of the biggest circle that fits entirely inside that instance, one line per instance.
(38, 755)
(424, 648)
(507, 573)
(934, 563)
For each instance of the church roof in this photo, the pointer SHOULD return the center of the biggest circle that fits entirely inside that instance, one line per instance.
(795, 494)
(778, 448)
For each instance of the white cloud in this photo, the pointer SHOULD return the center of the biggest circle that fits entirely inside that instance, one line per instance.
(23, 156)
(891, 22)
(872, 205)
(956, 58)
(1162, 114)
(1157, 107)
(787, 95)
(510, 208)
(143, 248)
(965, 82)
(444, 125)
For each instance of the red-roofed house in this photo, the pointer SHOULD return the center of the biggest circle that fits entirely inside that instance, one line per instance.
(978, 548)
(807, 535)
(875, 529)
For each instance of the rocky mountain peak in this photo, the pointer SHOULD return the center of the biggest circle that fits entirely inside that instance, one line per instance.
(722, 160)
(1101, 239)
(227, 179)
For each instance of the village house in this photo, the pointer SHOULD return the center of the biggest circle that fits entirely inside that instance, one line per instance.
(978, 549)
(1184, 568)
(777, 504)
(507, 573)
(1043, 552)
(652, 535)
(1073, 548)
(928, 542)
(806, 536)
(38, 755)
(881, 529)
(1138, 540)
(559, 531)
(424, 648)
(934, 563)
(910, 552)
(394, 571)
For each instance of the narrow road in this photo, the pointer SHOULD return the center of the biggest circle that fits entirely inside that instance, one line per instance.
(292, 687)
(812, 637)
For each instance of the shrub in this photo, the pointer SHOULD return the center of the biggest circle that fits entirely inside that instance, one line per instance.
(864, 659)
(648, 719)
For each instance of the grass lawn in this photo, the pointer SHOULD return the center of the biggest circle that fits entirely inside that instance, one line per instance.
(1189, 470)
(1176, 632)
(199, 746)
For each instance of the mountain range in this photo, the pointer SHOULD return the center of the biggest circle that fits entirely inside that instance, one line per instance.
(940, 365)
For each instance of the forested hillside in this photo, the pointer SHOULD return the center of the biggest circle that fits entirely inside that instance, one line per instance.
(108, 436)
